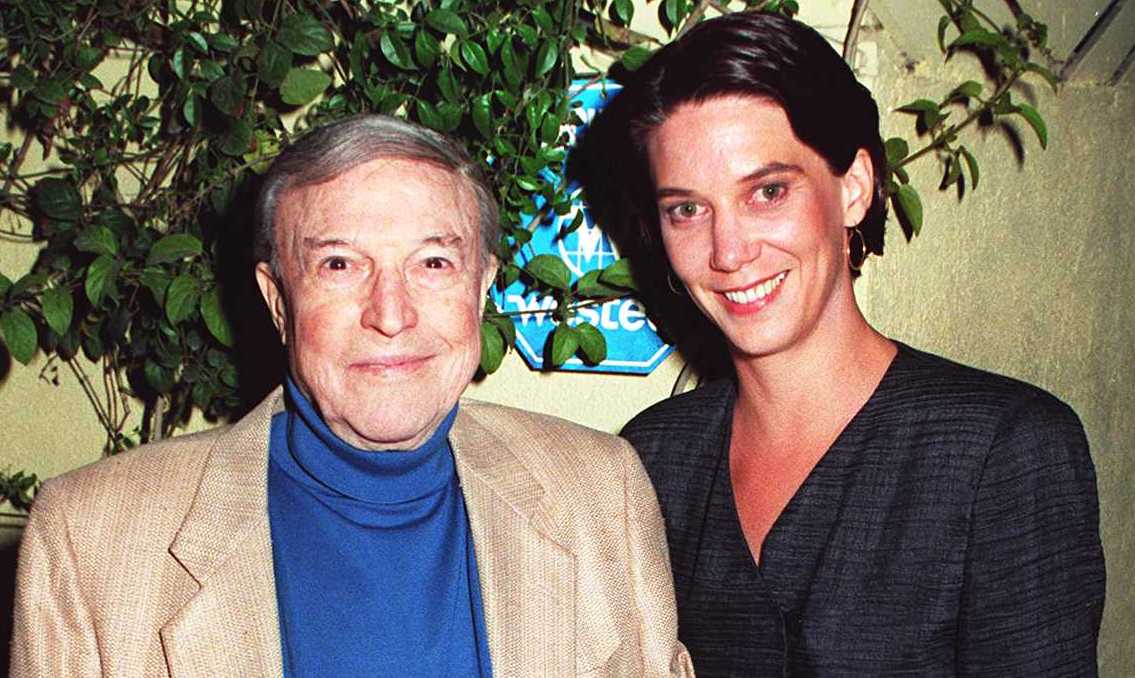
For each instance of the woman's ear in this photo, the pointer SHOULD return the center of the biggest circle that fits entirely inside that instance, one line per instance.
(858, 188)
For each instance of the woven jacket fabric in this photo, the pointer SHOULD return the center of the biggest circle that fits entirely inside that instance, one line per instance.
(950, 530)
(158, 562)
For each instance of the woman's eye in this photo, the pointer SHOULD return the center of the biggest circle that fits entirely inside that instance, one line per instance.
(685, 211)
(770, 192)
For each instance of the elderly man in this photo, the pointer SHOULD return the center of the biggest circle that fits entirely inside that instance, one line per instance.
(359, 521)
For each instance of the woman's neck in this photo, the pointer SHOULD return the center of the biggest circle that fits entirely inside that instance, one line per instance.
(816, 384)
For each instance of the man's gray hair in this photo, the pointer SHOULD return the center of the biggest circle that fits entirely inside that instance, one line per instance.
(334, 149)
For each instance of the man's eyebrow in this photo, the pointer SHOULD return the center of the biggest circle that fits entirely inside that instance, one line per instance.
(759, 173)
(444, 239)
(316, 243)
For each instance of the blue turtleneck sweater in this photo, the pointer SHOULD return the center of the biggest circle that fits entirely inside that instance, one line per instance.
(374, 563)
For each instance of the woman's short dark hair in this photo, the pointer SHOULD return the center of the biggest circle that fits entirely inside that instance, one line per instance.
(751, 54)
(771, 57)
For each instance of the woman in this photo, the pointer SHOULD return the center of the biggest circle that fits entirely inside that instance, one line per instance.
(844, 505)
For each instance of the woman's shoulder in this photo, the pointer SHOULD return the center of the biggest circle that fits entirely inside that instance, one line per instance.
(690, 412)
(925, 387)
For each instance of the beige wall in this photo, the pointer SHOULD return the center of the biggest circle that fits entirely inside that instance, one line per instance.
(1031, 276)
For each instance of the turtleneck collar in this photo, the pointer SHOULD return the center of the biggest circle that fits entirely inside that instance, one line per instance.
(377, 477)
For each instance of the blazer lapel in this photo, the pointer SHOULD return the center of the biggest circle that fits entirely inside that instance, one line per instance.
(230, 627)
(527, 579)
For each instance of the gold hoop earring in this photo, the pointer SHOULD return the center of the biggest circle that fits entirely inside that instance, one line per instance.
(856, 260)
(670, 284)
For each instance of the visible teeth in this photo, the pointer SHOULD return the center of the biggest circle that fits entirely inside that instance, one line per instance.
(756, 291)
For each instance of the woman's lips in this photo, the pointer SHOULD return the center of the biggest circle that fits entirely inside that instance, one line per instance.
(756, 296)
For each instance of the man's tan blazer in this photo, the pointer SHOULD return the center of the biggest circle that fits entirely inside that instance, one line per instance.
(159, 562)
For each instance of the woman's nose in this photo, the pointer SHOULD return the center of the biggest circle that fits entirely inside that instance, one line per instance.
(733, 244)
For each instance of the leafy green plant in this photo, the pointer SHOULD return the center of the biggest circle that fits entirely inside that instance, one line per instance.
(155, 118)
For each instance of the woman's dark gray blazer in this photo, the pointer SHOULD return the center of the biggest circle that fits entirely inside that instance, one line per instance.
(951, 530)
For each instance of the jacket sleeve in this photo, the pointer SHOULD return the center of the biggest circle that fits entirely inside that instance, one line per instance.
(52, 633)
(649, 574)
(1033, 590)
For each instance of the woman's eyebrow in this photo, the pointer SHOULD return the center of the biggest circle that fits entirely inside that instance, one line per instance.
(757, 174)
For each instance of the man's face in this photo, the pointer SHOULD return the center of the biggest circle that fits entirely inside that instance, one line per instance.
(378, 298)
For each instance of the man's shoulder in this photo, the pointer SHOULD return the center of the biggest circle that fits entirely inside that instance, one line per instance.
(162, 471)
(534, 429)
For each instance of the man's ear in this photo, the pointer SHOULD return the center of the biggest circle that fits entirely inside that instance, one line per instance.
(858, 189)
(489, 274)
(273, 296)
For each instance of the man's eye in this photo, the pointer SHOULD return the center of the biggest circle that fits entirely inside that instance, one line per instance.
(335, 263)
(437, 263)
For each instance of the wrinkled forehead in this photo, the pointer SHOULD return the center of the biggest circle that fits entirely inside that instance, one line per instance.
(399, 196)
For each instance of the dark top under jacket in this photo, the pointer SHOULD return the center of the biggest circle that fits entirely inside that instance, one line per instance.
(951, 530)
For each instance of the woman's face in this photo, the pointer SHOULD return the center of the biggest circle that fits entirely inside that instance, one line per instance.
(754, 222)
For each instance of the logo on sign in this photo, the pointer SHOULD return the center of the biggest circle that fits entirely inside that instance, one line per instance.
(633, 345)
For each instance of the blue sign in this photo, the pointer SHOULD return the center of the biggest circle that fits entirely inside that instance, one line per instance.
(633, 345)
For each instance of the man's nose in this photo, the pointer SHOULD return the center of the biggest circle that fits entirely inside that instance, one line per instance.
(734, 243)
(390, 309)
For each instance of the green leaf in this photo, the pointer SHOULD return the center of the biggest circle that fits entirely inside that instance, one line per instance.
(197, 41)
(943, 24)
(58, 307)
(550, 270)
(673, 12)
(19, 334)
(447, 21)
(482, 112)
(27, 283)
(589, 286)
(896, 149)
(100, 278)
(273, 63)
(303, 85)
(396, 51)
(58, 199)
(237, 139)
(565, 342)
(635, 57)
(303, 34)
(514, 67)
(492, 347)
(177, 63)
(543, 19)
(980, 37)
(970, 89)
(1031, 116)
(546, 57)
(181, 298)
(173, 247)
(624, 10)
(5, 284)
(189, 110)
(160, 378)
(429, 116)
(448, 86)
(227, 94)
(911, 206)
(618, 274)
(214, 316)
(506, 327)
(88, 57)
(953, 171)
(157, 281)
(1043, 72)
(971, 162)
(920, 106)
(593, 343)
(474, 56)
(426, 49)
(97, 240)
